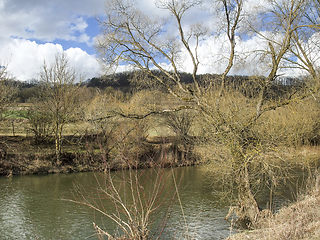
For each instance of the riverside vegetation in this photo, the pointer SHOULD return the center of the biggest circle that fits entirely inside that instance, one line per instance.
(98, 138)
(97, 134)
(248, 131)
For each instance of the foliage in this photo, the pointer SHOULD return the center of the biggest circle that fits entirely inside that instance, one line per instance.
(27, 94)
(245, 117)
(180, 123)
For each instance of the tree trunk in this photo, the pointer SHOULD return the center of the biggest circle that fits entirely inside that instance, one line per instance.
(248, 209)
(58, 145)
(57, 151)
(248, 206)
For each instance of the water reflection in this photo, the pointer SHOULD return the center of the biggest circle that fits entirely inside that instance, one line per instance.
(204, 214)
(13, 216)
(31, 207)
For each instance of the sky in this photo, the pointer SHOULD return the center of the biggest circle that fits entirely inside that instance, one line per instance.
(32, 31)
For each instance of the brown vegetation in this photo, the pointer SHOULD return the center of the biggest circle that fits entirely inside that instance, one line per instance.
(299, 220)
(101, 139)
(239, 126)
(231, 119)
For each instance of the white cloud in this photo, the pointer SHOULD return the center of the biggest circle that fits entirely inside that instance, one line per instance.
(254, 6)
(47, 20)
(25, 58)
(250, 58)
(25, 24)
(214, 51)
(314, 48)
(22, 21)
(83, 62)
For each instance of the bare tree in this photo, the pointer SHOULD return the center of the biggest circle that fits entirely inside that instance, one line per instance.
(60, 97)
(7, 87)
(7, 96)
(281, 33)
(305, 45)
(131, 37)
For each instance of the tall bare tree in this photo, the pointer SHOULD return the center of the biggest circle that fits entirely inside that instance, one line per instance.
(306, 45)
(60, 97)
(131, 37)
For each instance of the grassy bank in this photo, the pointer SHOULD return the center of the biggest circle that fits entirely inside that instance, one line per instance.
(299, 220)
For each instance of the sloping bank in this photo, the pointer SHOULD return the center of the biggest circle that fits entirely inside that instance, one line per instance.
(300, 220)
(150, 155)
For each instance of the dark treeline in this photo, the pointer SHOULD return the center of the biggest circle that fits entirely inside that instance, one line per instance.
(130, 81)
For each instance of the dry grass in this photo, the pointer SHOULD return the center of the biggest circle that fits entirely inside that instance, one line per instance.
(300, 220)
(12, 127)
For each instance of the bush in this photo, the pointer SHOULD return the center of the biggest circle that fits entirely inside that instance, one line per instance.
(40, 124)
(294, 125)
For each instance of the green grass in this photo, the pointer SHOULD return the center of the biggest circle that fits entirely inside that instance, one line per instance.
(15, 114)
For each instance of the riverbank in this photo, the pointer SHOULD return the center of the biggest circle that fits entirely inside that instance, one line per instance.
(19, 156)
(27, 164)
(299, 220)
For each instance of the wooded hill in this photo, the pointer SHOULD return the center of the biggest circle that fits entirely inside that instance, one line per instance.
(128, 82)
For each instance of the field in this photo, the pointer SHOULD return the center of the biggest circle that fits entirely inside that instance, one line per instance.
(85, 145)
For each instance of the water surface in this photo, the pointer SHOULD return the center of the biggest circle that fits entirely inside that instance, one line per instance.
(32, 207)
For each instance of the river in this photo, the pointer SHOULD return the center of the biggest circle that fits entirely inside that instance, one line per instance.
(37, 207)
